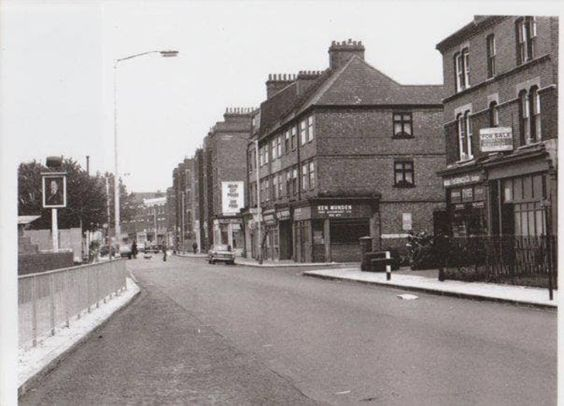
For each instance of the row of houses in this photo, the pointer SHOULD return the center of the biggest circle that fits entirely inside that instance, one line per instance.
(337, 154)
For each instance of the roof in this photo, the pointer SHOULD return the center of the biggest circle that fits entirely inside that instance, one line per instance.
(474, 26)
(155, 201)
(356, 83)
(23, 220)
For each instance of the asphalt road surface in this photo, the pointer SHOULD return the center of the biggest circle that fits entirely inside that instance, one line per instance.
(220, 334)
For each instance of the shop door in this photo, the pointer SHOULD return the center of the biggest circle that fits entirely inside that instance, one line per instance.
(285, 240)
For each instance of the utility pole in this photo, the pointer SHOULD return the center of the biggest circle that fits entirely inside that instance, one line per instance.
(259, 208)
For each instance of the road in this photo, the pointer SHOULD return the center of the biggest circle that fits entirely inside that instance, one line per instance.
(219, 334)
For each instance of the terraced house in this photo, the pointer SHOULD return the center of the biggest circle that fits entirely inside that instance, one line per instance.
(500, 113)
(343, 153)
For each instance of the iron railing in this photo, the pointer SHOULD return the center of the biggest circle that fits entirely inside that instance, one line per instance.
(50, 300)
(503, 258)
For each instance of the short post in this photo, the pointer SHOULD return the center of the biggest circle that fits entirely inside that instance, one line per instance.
(388, 266)
(34, 310)
(52, 303)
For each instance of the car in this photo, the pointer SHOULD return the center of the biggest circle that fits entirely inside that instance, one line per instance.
(125, 250)
(221, 253)
(141, 247)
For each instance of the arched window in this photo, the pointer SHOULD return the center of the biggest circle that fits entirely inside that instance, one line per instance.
(494, 114)
(534, 109)
(461, 137)
(524, 124)
(468, 124)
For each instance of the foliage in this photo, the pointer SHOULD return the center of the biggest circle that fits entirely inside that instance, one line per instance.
(421, 250)
(86, 197)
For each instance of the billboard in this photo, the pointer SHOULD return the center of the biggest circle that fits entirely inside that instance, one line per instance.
(54, 190)
(232, 197)
(496, 139)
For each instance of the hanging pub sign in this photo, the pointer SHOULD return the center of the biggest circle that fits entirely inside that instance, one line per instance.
(54, 190)
(496, 139)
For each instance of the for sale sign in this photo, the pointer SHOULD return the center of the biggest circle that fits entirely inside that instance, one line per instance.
(496, 139)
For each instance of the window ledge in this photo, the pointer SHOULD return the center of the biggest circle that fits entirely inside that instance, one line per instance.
(405, 186)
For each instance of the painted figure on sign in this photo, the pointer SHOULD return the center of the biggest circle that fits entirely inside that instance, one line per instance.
(55, 196)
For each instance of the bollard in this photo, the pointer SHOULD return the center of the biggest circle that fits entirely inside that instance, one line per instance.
(388, 267)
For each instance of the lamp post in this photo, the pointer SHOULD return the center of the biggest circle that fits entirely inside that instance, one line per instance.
(164, 54)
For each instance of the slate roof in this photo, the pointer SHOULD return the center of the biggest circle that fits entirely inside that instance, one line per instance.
(355, 84)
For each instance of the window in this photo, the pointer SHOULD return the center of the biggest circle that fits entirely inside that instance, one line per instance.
(526, 32)
(490, 45)
(287, 141)
(279, 146)
(280, 185)
(303, 135)
(402, 125)
(403, 174)
(267, 195)
(274, 149)
(310, 128)
(462, 70)
(494, 114)
(311, 175)
(261, 159)
(295, 180)
(289, 182)
(266, 154)
(305, 177)
(524, 117)
(275, 186)
(293, 138)
(464, 136)
(534, 109)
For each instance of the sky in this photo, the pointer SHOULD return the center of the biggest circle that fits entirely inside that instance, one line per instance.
(58, 68)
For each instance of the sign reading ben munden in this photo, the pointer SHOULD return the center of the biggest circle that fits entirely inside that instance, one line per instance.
(232, 197)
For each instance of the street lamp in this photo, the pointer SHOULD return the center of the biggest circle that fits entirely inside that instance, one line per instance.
(164, 54)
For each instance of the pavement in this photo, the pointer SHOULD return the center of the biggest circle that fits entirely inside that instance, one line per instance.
(240, 335)
(36, 362)
(427, 281)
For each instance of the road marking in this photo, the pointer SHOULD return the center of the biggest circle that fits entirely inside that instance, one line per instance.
(407, 296)
(343, 392)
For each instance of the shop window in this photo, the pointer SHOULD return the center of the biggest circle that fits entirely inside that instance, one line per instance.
(403, 125)
(490, 47)
(526, 32)
(403, 174)
(348, 231)
(494, 114)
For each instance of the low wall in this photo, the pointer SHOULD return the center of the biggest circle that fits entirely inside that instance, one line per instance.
(33, 263)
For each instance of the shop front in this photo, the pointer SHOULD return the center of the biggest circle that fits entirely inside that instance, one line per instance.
(466, 204)
(229, 231)
(329, 231)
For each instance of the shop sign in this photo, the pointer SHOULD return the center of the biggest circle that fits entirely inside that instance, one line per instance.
(227, 221)
(302, 213)
(335, 210)
(269, 218)
(232, 197)
(463, 179)
(467, 194)
(459, 206)
(406, 221)
(496, 139)
(478, 205)
(283, 214)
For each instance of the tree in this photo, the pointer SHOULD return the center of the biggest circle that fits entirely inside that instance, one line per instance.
(86, 197)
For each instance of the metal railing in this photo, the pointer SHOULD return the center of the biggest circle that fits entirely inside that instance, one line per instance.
(504, 258)
(50, 300)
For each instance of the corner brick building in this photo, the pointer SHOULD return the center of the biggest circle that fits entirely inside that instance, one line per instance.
(183, 187)
(500, 126)
(343, 153)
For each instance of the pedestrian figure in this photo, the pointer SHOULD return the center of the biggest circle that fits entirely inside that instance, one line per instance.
(195, 247)
(164, 252)
(134, 248)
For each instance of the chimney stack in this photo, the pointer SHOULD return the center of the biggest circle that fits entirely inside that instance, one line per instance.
(277, 82)
(341, 52)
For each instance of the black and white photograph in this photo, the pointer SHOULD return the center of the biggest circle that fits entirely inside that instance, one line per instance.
(283, 202)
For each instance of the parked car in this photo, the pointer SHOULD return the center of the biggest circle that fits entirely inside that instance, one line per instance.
(125, 250)
(221, 253)
(141, 247)
(104, 251)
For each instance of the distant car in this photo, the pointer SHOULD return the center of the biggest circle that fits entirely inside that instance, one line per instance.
(125, 250)
(221, 253)
(141, 247)
(104, 251)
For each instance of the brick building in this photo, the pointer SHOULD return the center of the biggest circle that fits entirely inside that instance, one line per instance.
(171, 217)
(198, 195)
(224, 175)
(500, 126)
(142, 226)
(183, 185)
(344, 153)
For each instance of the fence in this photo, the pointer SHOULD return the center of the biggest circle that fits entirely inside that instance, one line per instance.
(503, 258)
(50, 300)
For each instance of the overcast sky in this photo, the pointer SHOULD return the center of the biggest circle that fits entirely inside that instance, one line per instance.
(58, 57)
